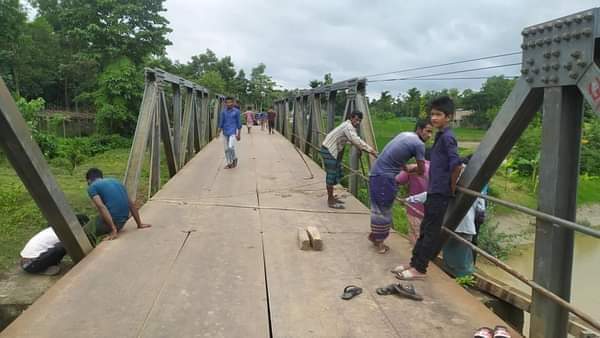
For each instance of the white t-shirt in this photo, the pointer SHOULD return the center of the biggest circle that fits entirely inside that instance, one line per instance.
(40, 243)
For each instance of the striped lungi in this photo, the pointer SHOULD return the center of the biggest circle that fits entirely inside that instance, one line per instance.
(382, 191)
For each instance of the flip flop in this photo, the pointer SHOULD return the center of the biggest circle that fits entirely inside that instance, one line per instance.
(400, 268)
(351, 291)
(483, 332)
(408, 291)
(408, 275)
(501, 332)
(385, 291)
(336, 206)
(339, 201)
(383, 250)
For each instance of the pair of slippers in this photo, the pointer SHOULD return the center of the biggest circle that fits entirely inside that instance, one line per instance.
(407, 291)
(498, 332)
(399, 289)
(403, 272)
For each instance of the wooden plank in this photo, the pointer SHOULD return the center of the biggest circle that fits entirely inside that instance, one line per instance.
(316, 242)
(140, 139)
(303, 239)
(29, 163)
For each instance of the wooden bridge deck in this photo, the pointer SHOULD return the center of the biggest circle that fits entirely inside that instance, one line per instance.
(221, 260)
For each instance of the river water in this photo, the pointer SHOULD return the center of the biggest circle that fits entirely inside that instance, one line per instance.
(585, 285)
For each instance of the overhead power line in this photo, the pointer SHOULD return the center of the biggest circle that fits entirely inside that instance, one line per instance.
(444, 78)
(445, 64)
(447, 73)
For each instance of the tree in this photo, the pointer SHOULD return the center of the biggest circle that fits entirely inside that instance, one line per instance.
(213, 81)
(261, 86)
(12, 25)
(117, 98)
(412, 101)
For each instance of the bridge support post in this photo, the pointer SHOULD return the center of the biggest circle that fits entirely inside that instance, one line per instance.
(177, 122)
(331, 110)
(559, 173)
(29, 163)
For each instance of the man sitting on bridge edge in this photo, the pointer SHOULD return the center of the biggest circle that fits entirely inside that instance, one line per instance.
(332, 151)
(113, 203)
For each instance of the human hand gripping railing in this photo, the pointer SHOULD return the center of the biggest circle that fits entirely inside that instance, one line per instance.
(555, 220)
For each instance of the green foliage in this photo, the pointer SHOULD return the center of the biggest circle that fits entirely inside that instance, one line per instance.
(213, 81)
(31, 113)
(590, 156)
(486, 102)
(465, 281)
(495, 242)
(118, 96)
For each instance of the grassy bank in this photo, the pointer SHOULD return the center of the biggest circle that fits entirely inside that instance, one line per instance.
(21, 218)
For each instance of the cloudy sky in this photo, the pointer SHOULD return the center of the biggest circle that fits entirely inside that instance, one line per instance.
(302, 40)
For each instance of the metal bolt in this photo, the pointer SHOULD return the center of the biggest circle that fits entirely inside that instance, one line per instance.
(529, 79)
(576, 35)
(587, 32)
(525, 32)
(544, 79)
(576, 54)
(530, 61)
(540, 29)
(578, 18)
(557, 39)
(547, 55)
(573, 75)
(568, 21)
(548, 27)
(524, 46)
(539, 42)
(556, 66)
(556, 53)
(548, 40)
(525, 71)
(546, 67)
(566, 36)
(554, 79)
(532, 44)
(535, 70)
(588, 16)
(568, 66)
(558, 24)
(581, 63)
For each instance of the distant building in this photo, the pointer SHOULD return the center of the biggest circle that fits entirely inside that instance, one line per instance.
(460, 115)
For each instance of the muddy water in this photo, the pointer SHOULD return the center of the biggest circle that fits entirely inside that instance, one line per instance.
(585, 287)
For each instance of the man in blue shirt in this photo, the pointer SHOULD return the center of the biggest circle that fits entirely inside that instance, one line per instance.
(444, 169)
(231, 125)
(113, 203)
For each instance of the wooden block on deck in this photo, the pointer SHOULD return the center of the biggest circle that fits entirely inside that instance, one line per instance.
(303, 239)
(315, 238)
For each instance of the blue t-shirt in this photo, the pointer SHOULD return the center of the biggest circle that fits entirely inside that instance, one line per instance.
(397, 152)
(444, 158)
(114, 196)
(230, 121)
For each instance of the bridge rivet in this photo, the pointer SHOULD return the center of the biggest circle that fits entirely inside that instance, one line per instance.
(568, 66)
(557, 39)
(529, 79)
(554, 79)
(587, 32)
(540, 29)
(545, 79)
(588, 16)
(566, 36)
(539, 42)
(578, 18)
(530, 61)
(576, 54)
(568, 21)
(573, 75)
(524, 46)
(548, 40)
(546, 67)
(556, 53)
(525, 71)
(535, 70)
(556, 66)
(581, 63)
(525, 32)
(548, 27)
(558, 24)
(576, 35)
(547, 55)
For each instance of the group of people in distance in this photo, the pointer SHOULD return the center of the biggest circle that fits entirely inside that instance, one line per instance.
(431, 182)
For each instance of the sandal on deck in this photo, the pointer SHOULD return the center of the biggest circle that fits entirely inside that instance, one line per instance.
(400, 268)
(385, 291)
(351, 291)
(408, 275)
(501, 332)
(383, 249)
(407, 291)
(483, 332)
(336, 206)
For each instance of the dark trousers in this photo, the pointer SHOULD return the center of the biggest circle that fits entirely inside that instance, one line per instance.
(271, 126)
(428, 245)
(50, 257)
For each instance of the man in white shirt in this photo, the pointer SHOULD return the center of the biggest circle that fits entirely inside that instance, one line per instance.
(44, 251)
(332, 151)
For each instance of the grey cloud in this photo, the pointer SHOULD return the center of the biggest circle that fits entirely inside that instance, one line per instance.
(301, 41)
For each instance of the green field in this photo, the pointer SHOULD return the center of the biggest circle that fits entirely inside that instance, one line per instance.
(22, 218)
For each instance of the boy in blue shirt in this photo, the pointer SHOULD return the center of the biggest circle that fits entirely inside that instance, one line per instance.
(113, 203)
(444, 170)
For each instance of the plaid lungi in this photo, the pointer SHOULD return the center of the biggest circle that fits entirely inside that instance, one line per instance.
(382, 191)
(333, 167)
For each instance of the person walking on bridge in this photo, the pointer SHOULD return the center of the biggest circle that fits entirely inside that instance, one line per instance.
(249, 114)
(382, 183)
(271, 114)
(332, 152)
(231, 125)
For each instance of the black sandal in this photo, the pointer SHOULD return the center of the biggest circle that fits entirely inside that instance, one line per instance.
(407, 291)
(386, 291)
(351, 291)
